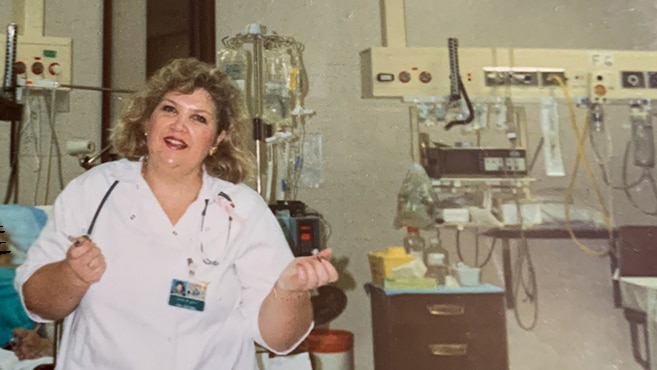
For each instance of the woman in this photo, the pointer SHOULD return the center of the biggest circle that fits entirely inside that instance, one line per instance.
(174, 209)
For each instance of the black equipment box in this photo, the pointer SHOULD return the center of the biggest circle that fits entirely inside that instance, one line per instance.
(474, 162)
(302, 227)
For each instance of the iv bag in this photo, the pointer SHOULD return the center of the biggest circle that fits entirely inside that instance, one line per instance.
(276, 104)
(643, 140)
(234, 62)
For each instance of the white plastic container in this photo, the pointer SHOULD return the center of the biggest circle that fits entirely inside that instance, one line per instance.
(466, 275)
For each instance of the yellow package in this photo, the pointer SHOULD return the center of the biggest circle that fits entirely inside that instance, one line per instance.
(382, 263)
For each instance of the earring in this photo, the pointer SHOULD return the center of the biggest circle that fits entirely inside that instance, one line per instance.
(213, 150)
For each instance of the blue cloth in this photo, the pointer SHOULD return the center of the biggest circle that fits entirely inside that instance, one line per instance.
(481, 288)
(23, 225)
(12, 314)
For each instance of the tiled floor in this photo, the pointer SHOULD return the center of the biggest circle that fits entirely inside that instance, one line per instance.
(578, 326)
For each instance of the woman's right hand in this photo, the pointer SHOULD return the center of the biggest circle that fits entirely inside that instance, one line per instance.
(30, 345)
(86, 260)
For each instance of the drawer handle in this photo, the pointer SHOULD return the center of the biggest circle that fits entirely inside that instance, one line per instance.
(445, 309)
(448, 349)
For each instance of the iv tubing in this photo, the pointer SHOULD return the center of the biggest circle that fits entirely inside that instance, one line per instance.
(488, 257)
(646, 175)
(581, 155)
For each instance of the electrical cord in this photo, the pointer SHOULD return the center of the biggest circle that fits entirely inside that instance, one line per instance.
(524, 270)
(54, 143)
(33, 123)
(458, 245)
(529, 284)
(17, 134)
(488, 256)
(459, 250)
(527, 281)
(327, 229)
(476, 256)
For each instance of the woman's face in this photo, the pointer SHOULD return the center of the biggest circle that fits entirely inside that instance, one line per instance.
(182, 129)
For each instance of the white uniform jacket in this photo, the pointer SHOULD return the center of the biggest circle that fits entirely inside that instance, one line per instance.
(125, 320)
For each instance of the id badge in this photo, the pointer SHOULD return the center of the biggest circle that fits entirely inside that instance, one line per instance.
(187, 294)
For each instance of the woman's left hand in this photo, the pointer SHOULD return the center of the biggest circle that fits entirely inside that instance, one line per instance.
(306, 273)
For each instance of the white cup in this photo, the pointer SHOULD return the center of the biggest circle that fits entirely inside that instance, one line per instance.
(467, 276)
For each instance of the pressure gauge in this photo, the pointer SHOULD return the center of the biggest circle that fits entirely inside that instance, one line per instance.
(425, 77)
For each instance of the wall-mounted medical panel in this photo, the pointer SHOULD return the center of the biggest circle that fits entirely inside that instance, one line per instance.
(600, 75)
(41, 61)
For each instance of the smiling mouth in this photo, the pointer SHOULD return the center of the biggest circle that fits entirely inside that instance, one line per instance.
(174, 143)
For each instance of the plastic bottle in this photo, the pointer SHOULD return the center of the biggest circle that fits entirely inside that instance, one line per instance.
(436, 258)
(414, 243)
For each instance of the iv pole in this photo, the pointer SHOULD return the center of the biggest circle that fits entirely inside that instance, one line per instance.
(262, 130)
(258, 124)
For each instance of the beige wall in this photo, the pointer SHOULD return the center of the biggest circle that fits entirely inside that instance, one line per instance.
(79, 111)
(81, 21)
(366, 143)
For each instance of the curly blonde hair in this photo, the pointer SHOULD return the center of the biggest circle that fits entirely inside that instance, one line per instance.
(231, 161)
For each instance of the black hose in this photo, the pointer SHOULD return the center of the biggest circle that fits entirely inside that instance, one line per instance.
(468, 104)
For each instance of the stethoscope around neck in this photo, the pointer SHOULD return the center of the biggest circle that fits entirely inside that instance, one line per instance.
(206, 260)
(204, 257)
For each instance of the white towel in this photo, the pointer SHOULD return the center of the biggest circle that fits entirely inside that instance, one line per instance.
(9, 361)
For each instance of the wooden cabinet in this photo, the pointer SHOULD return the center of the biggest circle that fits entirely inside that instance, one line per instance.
(441, 330)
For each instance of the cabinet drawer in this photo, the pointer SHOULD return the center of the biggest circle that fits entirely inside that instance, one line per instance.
(442, 308)
(458, 332)
(419, 348)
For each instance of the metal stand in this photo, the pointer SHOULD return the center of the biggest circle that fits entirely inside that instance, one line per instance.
(262, 130)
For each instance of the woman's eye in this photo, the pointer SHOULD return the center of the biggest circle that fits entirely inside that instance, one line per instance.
(168, 108)
(200, 119)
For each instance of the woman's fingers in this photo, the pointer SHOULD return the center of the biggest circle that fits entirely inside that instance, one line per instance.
(325, 254)
(311, 272)
(86, 260)
(32, 346)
